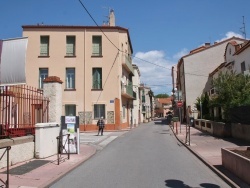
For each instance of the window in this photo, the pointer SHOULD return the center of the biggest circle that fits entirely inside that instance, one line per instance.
(99, 111)
(97, 46)
(70, 46)
(44, 46)
(97, 78)
(70, 110)
(43, 73)
(243, 67)
(70, 78)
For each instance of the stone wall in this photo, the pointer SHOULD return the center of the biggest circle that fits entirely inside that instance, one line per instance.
(241, 131)
(22, 149)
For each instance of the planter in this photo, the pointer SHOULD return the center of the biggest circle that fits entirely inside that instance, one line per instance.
(236, 163)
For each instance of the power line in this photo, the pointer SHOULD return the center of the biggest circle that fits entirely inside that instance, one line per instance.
(128, 53)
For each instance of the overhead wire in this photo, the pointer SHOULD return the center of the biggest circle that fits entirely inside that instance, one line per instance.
(119, 50)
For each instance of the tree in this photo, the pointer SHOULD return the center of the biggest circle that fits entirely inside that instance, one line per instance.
(162, 96)
(151, 95)
(203, 102)
(232, 90)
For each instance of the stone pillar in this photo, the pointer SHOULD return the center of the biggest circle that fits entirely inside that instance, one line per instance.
(52, 89)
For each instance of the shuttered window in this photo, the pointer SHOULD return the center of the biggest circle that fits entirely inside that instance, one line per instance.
(70, 78)
(97, 78)
(43, 73)
(44, 46)
(99, 111)
(96, 45)
(70, 46)
(70, 110)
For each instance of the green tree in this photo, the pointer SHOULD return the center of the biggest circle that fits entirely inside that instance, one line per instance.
(204, 102)
(232, 90)
(151, 95)
(162, 96)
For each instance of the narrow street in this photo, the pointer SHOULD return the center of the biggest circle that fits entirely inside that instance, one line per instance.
(146, 157)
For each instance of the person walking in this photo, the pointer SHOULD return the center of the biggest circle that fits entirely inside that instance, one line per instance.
(101, 125)
(189, 115)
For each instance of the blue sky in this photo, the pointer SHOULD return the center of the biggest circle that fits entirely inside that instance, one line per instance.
(161, 31)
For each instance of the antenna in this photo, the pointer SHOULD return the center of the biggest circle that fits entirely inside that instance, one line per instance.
(106, 22)
(243, 29)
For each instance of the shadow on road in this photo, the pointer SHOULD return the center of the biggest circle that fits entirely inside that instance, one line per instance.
(180, 184)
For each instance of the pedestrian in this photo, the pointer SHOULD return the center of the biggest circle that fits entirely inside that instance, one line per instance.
(101, 125)
(189, 114)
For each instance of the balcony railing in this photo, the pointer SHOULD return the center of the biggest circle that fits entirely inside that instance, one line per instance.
(127, 91)
(127, 64)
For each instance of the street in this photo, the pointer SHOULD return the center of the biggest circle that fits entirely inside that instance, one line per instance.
(148, 156)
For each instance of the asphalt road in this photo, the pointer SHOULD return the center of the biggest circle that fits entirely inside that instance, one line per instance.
(148, 156)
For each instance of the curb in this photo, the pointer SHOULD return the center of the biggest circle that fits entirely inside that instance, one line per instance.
(67, 170)
(221, 175)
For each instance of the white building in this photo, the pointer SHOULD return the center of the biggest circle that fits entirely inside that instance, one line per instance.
(194, 68)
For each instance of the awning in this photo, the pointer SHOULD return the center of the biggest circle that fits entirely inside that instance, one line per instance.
(12, 61)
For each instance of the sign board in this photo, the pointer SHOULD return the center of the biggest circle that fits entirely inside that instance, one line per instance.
(70, 125)
(179, 104)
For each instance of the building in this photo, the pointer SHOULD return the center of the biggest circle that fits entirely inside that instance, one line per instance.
(237, 59)
(147, 103)
(137, 104)
(193, 70)
(162, 106)
(95, 65)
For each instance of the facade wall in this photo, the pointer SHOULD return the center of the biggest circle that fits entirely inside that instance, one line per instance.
(83, 97)
(137, 102)
(197, 68)
(242, 57)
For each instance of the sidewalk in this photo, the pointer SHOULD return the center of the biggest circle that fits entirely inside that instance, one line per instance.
(40, 173)
(208, 149)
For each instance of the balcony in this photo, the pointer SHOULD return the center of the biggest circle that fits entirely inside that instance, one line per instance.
(127, 64)
(127, 91)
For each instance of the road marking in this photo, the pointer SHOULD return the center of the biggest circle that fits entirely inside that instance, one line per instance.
(107, 141)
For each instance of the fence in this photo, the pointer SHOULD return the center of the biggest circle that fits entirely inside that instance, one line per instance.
(21, 107)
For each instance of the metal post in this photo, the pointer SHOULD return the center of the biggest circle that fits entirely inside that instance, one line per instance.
(201, 108)
(179, 110)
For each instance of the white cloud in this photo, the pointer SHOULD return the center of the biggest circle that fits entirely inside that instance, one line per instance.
(180, 54)
(230, 34)
(155, 69)
(155, 66)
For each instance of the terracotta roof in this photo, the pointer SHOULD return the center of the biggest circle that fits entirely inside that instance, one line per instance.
(164, 100)
(217, 69)
(216, 44)
(243, 47)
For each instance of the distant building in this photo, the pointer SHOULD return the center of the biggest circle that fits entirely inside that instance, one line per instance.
(137, 103)
(162, 106)
(95, 65)
(147, 103)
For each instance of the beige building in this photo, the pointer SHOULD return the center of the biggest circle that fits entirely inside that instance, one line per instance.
(193, 70)
(94, 63)
(237, 59)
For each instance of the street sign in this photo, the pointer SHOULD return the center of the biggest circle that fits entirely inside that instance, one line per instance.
(179, 104)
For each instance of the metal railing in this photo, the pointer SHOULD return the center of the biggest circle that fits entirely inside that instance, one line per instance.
(21, 107)
(7, 149)
(61, 147)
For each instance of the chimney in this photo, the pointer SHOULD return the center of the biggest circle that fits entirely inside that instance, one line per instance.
(111, 18)
(207, 44)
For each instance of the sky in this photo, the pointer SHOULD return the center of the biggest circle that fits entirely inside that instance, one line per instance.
(161, 31)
